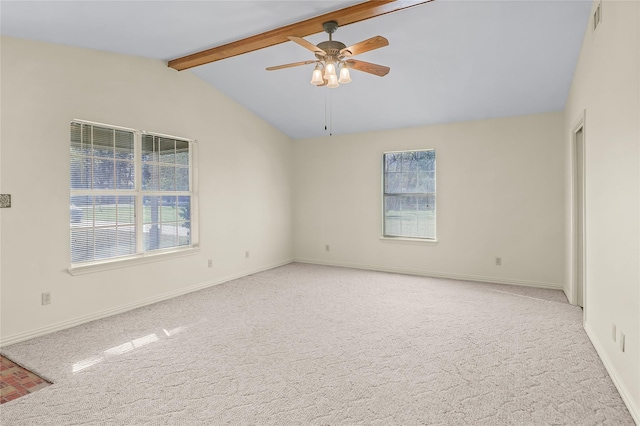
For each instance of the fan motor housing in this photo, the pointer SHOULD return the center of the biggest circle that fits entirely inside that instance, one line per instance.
(332, 48)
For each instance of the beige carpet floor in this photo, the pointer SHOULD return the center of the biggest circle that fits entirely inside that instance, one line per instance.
(305, 344)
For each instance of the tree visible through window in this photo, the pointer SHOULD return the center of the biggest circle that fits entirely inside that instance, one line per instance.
(409, 187)
(112, 214)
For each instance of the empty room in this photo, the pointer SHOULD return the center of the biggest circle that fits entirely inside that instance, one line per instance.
(320, 212)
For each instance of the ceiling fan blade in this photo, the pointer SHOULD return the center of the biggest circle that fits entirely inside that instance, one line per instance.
(375, 69)
(307, 45)
(294, 64)
(365, 46)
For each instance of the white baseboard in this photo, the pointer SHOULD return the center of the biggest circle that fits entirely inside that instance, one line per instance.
(631, 404)
(494, 280)
(15, 338)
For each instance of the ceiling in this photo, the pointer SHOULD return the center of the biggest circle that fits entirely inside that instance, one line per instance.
(450, 60)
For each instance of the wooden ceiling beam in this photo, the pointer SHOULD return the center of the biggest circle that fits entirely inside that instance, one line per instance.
(346, 16)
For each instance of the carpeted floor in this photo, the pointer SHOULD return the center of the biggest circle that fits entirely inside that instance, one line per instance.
(305, 344)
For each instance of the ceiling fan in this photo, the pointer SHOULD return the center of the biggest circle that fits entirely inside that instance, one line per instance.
(349, 15)
(333, 57)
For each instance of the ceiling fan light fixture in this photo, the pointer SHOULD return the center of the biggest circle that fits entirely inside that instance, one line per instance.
(330, 70)
(333, 81)
(316, 78)
(344, 75)
(334, 57)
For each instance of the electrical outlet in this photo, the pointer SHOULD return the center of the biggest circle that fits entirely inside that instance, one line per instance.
(498, 261)
(613, 332)
(46, 298)
(210, 263)
(622, 341)
(327, 248)
(246, 254)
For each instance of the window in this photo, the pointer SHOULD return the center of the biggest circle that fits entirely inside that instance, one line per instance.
(409, 194)
(131, 193)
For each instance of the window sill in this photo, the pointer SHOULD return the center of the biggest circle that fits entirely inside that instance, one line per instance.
(125, 262)
(410, 240)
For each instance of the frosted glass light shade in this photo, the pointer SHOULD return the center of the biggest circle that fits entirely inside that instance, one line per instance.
(333, 82)
(316, 78)
(344, 76)
(329, 70)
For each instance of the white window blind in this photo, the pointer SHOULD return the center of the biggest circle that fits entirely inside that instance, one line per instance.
(166, 192)
(131, 193)
(409, 194)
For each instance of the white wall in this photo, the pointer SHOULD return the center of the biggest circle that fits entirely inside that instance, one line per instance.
(244, 181)
(499, 193)
(606, 85)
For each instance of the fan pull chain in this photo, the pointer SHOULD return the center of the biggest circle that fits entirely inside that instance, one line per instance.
(328, 121)
(330, 116)
(325, 111)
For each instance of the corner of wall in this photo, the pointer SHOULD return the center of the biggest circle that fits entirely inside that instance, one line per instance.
(606, 90)
(625, 393)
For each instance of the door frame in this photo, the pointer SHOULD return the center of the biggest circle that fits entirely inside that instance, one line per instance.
(575, 254)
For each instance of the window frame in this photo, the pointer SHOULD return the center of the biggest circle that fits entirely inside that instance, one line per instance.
(141, 255)
(384, 236)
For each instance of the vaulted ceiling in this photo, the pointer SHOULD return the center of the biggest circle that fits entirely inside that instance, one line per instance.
(450, 60)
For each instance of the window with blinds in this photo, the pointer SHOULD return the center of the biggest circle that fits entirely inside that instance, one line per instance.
(166, 192)
(409, 194)
(131, 193)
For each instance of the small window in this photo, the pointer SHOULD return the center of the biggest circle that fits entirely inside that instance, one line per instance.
(409, 194)
(131, 193)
